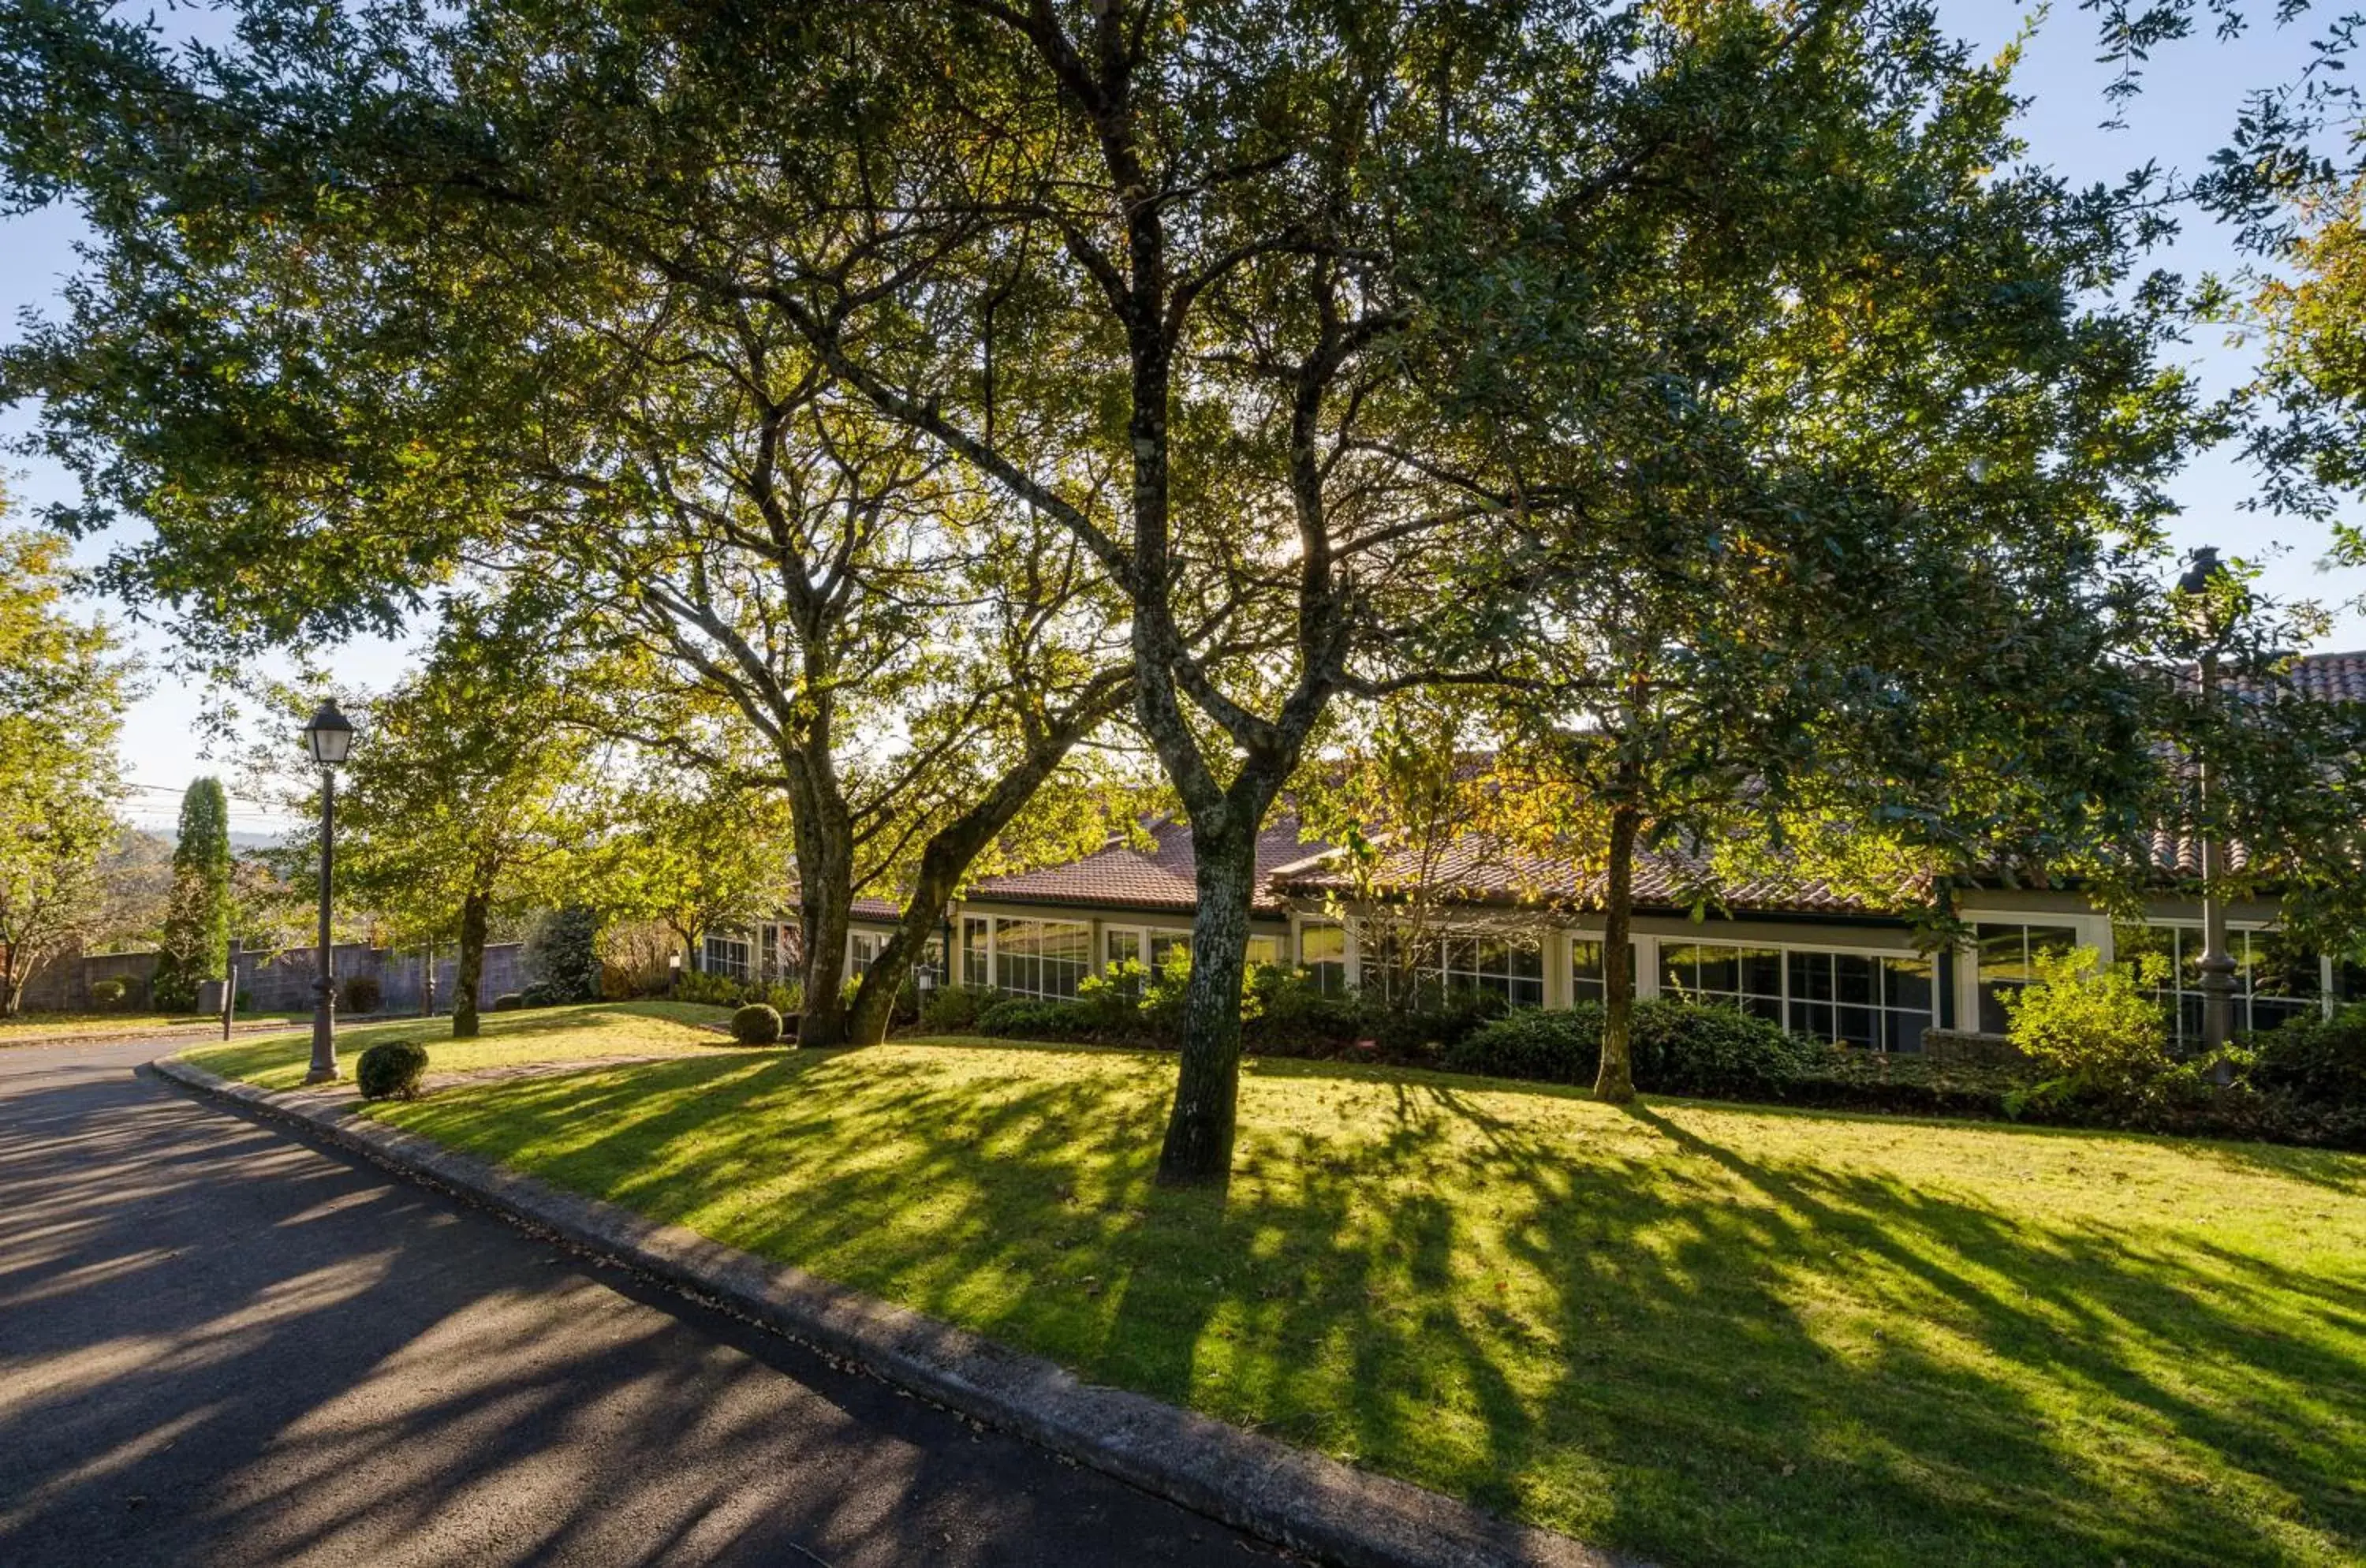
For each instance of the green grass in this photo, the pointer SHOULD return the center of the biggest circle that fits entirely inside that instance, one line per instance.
(510, 1039)
(1703, 1333)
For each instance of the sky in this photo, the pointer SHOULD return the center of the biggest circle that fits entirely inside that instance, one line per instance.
(2189, 102)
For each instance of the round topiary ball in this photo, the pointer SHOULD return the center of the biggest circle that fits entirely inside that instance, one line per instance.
(391, 1070)
(756, 1024)
(508, 1001)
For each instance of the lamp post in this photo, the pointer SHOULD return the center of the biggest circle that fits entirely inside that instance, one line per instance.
(331, 737)
(2199, 585)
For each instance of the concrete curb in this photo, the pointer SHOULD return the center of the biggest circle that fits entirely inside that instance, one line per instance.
(1304, 1501)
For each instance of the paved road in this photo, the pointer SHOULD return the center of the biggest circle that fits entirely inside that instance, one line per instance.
(218, 1345)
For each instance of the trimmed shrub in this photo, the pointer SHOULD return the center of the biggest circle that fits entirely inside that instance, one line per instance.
(2318, 1062)
(1678, 1047)
(540, 995)
(1687, 1048)
(108, 993)
(1286, 1015)
(391, 1070)
(756, 1024)
(954, 1009)
(1030, 1018)
(508, 1001)
(360, 994)
(1559, 1045)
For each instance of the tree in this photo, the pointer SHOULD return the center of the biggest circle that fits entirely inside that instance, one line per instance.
(464, 795)
(196, 941)
(1252, 303)
(63, 690)
(694, 859)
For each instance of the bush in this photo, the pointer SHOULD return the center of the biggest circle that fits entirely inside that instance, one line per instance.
(1286, 1015)
(756, 1024)
(2318, 1062)
(713, 990)
(391, 1070)
(1677, 1048)
(1548, 1047)
(1033, 1018)
(951, 1009)
(540, 995)
(360, 994)
(2097, 1036)
(562, 955)
(508, 1001)
(1686, 1048)
(108, 993)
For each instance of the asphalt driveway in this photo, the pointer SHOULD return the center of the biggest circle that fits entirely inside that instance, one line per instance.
(220, 1344)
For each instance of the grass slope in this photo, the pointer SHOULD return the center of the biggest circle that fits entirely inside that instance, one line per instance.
(510, 1039)
(1703, 1333)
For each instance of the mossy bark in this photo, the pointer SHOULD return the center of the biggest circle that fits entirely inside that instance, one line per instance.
(476, 914)
(1615, 1081)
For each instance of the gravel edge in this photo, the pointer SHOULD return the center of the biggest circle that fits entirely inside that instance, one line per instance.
(1305, 1501)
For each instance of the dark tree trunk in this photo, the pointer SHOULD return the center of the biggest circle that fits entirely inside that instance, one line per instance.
(948, 855)
(825, 902)
(476, 910)
(1616, 1081)
(1198, 1148)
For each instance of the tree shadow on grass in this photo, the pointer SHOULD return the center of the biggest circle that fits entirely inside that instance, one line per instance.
(1619, 1325)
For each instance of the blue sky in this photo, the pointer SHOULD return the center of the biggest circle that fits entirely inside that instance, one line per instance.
(2191, 98)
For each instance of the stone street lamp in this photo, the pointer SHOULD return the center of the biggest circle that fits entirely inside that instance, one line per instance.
(2201, 586)
(331, 737)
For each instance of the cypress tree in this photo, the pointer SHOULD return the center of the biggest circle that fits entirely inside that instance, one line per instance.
(196, 925)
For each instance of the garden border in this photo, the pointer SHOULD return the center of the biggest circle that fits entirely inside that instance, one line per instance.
(1305, 1501)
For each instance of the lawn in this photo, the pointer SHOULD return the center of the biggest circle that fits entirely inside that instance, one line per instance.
(510, 1039)
(1705, 1334)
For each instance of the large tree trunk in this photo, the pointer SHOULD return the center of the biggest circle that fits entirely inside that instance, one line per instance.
(1616, 1081)
(825, 902)
(1198, 1148)
(476, 911)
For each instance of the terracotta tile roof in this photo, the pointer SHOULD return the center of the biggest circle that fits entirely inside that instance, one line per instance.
(1122, 877)
(1473, 868)
(1478, 868)
(2327, 677)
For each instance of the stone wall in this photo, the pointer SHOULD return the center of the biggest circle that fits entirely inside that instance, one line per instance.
(282, 982)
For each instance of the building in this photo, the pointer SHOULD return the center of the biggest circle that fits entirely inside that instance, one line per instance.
(1802, 955)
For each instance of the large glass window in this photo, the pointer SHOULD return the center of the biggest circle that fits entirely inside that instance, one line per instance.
(1165, 945)
(1264, 951)
(1880, 1002)
(1323, 953)
(726, 955)
(1511, 966)
(862, 950)
(1749, 978)
(1587, 981)
(1121, 944)
(2275, 978)
(1040, 958)
(2008, 955)
(977, 951)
